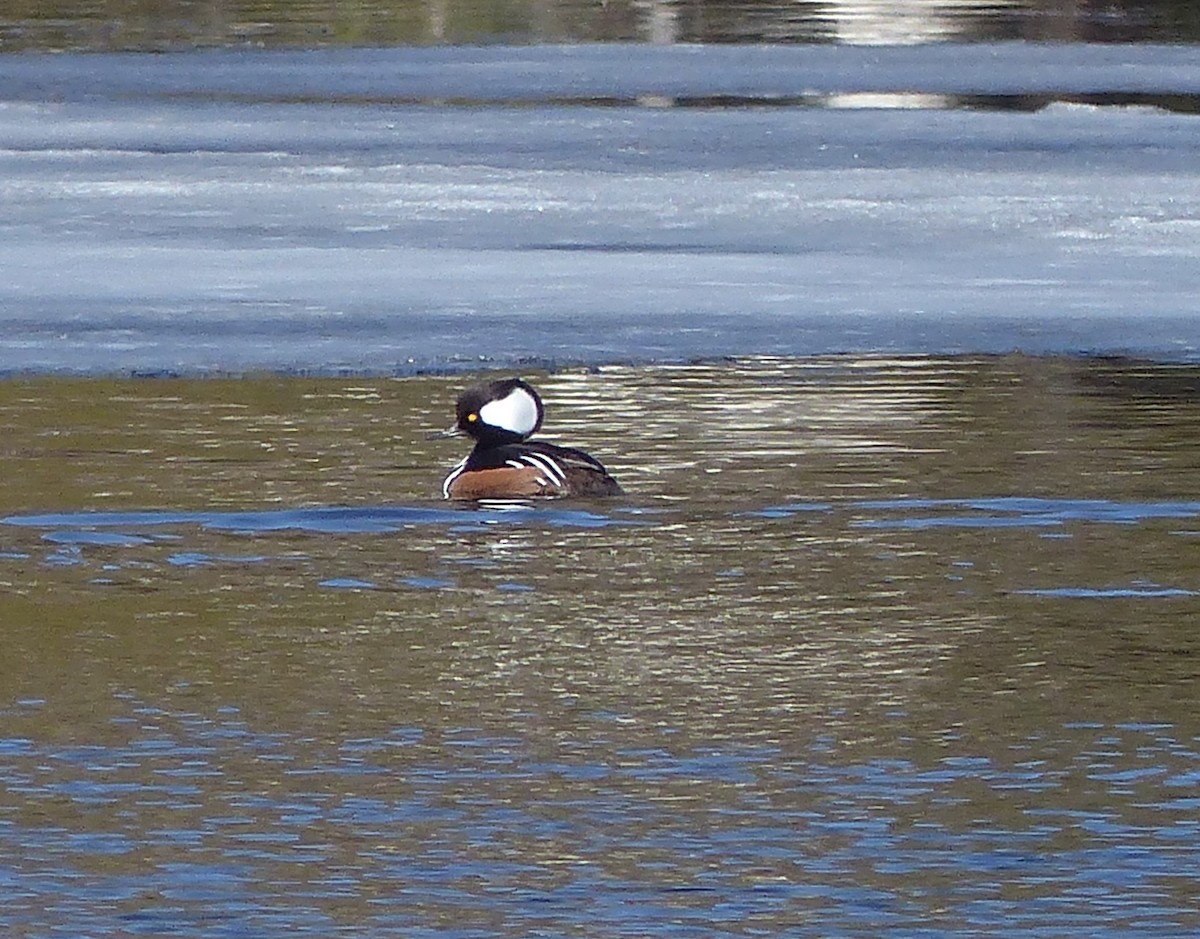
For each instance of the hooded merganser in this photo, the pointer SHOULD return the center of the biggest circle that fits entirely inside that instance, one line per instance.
(499, 416)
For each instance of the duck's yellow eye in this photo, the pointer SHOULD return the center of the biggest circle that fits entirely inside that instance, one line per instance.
(472, 418)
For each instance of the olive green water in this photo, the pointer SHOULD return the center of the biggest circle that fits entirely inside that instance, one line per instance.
(173, 24)
(904, 647)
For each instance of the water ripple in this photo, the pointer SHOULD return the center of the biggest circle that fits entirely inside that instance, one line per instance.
(327, 519)
(582, 835)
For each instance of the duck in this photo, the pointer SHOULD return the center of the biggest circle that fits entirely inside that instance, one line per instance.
(501, 416)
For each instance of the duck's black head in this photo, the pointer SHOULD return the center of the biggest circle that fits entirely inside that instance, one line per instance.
(499, 412)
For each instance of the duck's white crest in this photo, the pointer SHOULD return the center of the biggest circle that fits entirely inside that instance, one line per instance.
(516, 412)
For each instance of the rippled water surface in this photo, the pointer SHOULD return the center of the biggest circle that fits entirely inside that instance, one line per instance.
(174, 24)
(873, 647)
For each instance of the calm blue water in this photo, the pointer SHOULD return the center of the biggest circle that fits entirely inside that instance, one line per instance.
(401, 210)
